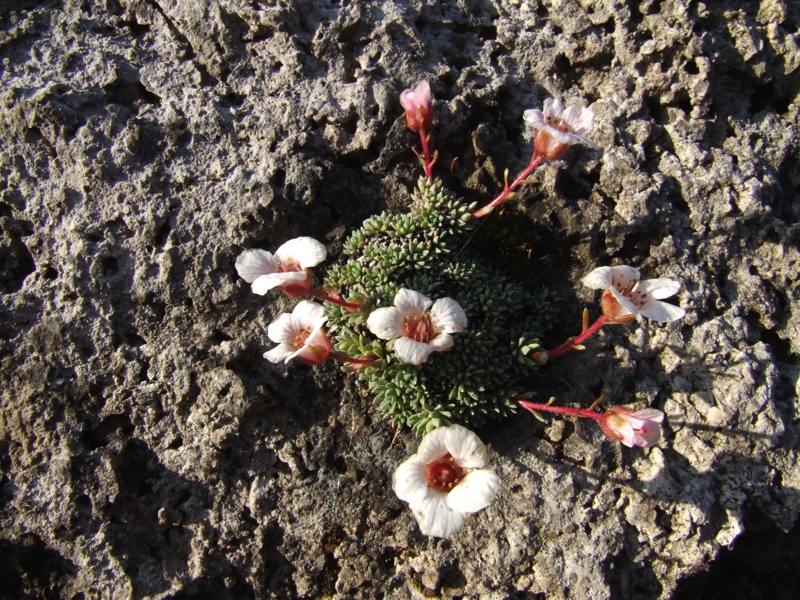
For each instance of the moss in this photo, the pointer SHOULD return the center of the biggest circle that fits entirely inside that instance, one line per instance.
(424, 250)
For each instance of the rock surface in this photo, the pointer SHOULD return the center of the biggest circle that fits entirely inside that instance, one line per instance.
(147, 449)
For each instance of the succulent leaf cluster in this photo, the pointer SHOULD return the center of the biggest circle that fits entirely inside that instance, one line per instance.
(426, 250)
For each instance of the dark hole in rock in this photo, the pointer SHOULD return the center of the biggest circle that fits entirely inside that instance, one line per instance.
(110, 266)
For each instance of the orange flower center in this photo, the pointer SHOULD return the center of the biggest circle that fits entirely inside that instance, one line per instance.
(419, 328)
(300, 339)
(288, 266)
(444, 474)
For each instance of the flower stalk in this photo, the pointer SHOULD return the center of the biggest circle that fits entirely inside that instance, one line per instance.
(576, 343)
(334, 299)
(536, 160)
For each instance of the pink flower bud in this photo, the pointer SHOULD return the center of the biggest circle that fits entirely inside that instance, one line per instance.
(640, 428)
(417, 104)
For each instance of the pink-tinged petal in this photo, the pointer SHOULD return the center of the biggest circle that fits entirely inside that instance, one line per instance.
(660, 288)
(252, 264)
(649, 414)
(411, 303)
(310, 314)
(534, 117)
(407, 100)
(476, 491)
(661, 311)
(410, 351)
(386, 323)
(648, 435)
(320, 342)
(305, 251)
(435, 518)
(311, 354)
(599, 279)
(410, 481)
(441, 343)
(267, 282)
(627, 434)
(553, 109)
(279, 353)
(284, 329)
(626, 304)
(466, 447)
(578, 119)
(448, 316)
(433, 446)
(422, 94)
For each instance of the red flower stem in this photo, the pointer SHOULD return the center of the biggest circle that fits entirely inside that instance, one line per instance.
(577, 412)
(535, 162)
(571, 344)
(342, 357)
(426, 152)
(351, 306)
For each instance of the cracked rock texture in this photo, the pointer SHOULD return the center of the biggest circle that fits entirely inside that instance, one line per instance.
(149, 451)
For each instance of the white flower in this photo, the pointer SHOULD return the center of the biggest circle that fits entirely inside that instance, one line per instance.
(418, 333)
(299, 335)
(445, 480)
(626, 297)
(287, 269)
(558, 128)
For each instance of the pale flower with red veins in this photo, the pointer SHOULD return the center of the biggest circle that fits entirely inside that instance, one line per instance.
(416, 331)
(445, 480)
(299, 335)
(286, 269)
(417, 104)
(559, 128)
(640, 428)
(626, 298)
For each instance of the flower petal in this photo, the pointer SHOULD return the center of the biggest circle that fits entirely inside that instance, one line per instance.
(563, 137)
(310, 314)
(407, 100)
(279, 353)
(411, 303)
(252, 264)
(448, 316)
(266, 282)
(599, 279)
(441, 343)
(465, 446)
(626, 433)
(624, 274)
(410, 481)
(553, 109)
(649, 414)
(411, 352)
(435, 518)
(660, 288)
(661, 311)
(534, 117)
(386, 323)
(578, 119)
(305, 251)
(626, 304)
(475, 492)
(433, 446)
(284, 329)
(648, 435)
